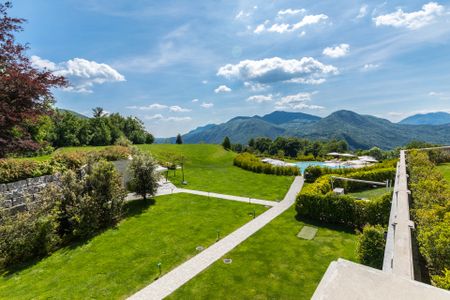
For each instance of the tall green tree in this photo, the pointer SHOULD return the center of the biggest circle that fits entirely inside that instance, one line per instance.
(144, 178)
(179, 140)
(25, 91)
(226, 144)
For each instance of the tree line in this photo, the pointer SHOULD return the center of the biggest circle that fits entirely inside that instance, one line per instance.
(63, 128)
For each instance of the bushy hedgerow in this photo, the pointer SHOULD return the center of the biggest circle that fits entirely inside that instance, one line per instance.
(14, 169)
(313, 172)
(252, 163)
(75, 209)
(343, 210)
(28, 234)
(431, 213)
(370, 248)
(317, 201)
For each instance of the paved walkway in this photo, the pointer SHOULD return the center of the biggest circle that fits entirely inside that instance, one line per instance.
(228, 197)
(166, 188)
(171, 281)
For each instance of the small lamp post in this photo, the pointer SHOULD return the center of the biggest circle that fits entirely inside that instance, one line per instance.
(159, 268)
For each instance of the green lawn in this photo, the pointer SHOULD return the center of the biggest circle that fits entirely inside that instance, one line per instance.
(272, 264)
(210, 168)
(121, 261)
(370, 194)
(445, 170)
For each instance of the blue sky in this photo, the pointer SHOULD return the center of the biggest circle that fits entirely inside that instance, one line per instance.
(181, 64)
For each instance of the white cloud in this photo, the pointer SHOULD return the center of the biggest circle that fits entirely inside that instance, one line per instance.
(307, 81)
(277, 69)
(81, 73)
(296, 102)
(260, 28)
(222, 89)
(260, 98)
(159, 117)
(285, 27)
(204, 81)
(435, 94)
(395, 114)
(207, 105)
(154, 117)
(368, 67)
(194, 100)
(149, 107)
(362, 11)
(338, 51)
(255, 86)
(41, 63)
(239, 15)
(176, 108)
(290, 11)
(412, 20)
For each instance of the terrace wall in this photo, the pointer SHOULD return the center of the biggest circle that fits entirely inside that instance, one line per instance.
(17, 194)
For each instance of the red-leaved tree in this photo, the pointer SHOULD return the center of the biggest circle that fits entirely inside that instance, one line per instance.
(25, 92)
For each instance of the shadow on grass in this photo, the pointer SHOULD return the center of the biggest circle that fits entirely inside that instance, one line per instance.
(325, 225)
(131, 209)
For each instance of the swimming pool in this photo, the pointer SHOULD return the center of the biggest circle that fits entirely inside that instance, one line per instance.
(302, 165)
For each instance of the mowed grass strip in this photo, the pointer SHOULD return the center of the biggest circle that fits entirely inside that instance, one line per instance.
(371, 193)
(273, 264)
(121, 261)
(445, 170)
(210, 168)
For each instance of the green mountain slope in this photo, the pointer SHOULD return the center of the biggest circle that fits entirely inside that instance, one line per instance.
(360, 131)
(434, 118)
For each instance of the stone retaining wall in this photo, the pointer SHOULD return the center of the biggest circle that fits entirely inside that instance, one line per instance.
(16, 194)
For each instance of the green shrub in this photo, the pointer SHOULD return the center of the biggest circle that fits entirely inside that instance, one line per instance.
(252, 163)
(123, 141)
(431, 212)
(442, 281)
(114, 153)
(313, 172)
(28, 234)
(342, 209)
(144, 179)
(370, 247)
(14, 169)
(70, 160)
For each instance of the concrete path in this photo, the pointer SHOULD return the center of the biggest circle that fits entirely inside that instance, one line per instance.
(166, 188)
(228, 197)
(171, 281)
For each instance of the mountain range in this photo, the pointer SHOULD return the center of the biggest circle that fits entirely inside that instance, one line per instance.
(359, 131)
(434, 118)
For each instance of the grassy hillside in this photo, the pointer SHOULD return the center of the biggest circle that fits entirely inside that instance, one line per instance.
(210, 168)
(272, 264)
(121, 261)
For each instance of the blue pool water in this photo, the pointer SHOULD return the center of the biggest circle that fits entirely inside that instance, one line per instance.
(302, 165)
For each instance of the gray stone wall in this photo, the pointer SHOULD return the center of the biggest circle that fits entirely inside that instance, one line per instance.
(16, 194)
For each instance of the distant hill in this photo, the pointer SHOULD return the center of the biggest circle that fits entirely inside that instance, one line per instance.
(360, 131)
(434, 118)
(282, 117)
(73, 112)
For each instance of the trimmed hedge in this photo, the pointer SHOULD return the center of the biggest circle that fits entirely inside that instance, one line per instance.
(344, 210)
(252, 163)
(14, 170)
(313, 172)
(431, 213)
(371, 243)
(18, 169)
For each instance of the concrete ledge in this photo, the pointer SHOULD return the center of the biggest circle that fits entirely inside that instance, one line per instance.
(346, 280)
